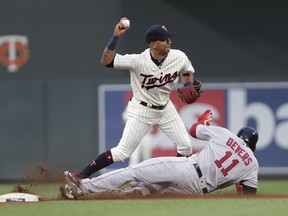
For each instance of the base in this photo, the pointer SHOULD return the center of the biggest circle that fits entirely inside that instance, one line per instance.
(19, 197)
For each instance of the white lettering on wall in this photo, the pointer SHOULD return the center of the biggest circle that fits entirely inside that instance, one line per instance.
(239, 112)
(281, 133)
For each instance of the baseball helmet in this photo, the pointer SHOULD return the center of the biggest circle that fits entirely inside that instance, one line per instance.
(249, 135)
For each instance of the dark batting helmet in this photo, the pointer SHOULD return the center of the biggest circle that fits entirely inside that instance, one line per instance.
(249, 135)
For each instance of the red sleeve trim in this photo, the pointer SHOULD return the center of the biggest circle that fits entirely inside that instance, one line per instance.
(192, 130)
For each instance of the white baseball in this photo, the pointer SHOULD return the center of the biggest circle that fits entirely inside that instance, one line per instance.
(125, 23)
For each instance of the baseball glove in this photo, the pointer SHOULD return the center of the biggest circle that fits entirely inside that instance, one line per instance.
(189, 94)
(198, 86)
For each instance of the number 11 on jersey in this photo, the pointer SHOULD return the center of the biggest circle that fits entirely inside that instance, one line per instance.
(222, 160)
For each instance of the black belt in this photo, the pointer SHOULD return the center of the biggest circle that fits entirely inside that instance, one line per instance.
(204, 190)
(152, 106)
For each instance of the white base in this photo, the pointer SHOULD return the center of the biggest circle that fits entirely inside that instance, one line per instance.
(19, 197)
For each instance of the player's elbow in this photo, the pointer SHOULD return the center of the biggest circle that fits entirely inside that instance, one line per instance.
(107, 62)
(103, 61)
(107, 57)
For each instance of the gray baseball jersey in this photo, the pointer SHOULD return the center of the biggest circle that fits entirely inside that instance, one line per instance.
(225, 160)
(152, 84)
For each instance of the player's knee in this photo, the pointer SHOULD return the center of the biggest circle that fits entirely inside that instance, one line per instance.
(119, 155)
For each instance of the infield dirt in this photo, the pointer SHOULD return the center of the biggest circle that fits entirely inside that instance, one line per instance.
(42, 175)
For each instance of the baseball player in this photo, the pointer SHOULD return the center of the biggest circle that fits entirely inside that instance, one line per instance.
(226, 159)
(153, 72)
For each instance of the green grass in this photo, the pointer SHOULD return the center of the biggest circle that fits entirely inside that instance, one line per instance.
(173, 207)
(150, 207)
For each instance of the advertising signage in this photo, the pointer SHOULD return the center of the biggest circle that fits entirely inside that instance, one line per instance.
(263, 106)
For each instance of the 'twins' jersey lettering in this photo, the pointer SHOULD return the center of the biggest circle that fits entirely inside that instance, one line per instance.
(150, 81)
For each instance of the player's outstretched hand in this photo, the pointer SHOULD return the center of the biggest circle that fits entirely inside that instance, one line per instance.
(205, 118)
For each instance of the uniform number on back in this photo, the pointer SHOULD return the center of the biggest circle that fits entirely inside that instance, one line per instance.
(219, 163)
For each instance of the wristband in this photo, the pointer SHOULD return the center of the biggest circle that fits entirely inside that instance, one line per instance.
(188, 84)
(112, 43)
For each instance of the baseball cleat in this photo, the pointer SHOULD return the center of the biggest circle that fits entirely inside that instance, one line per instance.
(71, 177)
(72, 187)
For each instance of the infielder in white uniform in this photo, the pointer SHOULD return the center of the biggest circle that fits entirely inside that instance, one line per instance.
(226, 159)
(153, 72)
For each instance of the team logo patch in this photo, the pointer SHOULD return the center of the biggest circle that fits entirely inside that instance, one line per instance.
(14, 51)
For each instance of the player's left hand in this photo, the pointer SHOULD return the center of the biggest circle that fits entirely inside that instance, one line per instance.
(188, 94)
(205, 118)
(239, 188)
(198, 86)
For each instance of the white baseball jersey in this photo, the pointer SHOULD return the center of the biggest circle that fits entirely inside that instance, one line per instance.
(226, 159)
(152, 83)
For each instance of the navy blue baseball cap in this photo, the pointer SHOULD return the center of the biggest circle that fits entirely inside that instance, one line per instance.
(157, 32)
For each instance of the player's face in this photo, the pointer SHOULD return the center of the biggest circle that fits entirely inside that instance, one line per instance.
(162, 46)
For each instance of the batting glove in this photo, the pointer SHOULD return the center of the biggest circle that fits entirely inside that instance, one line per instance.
(239, 188)
(205, 118)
